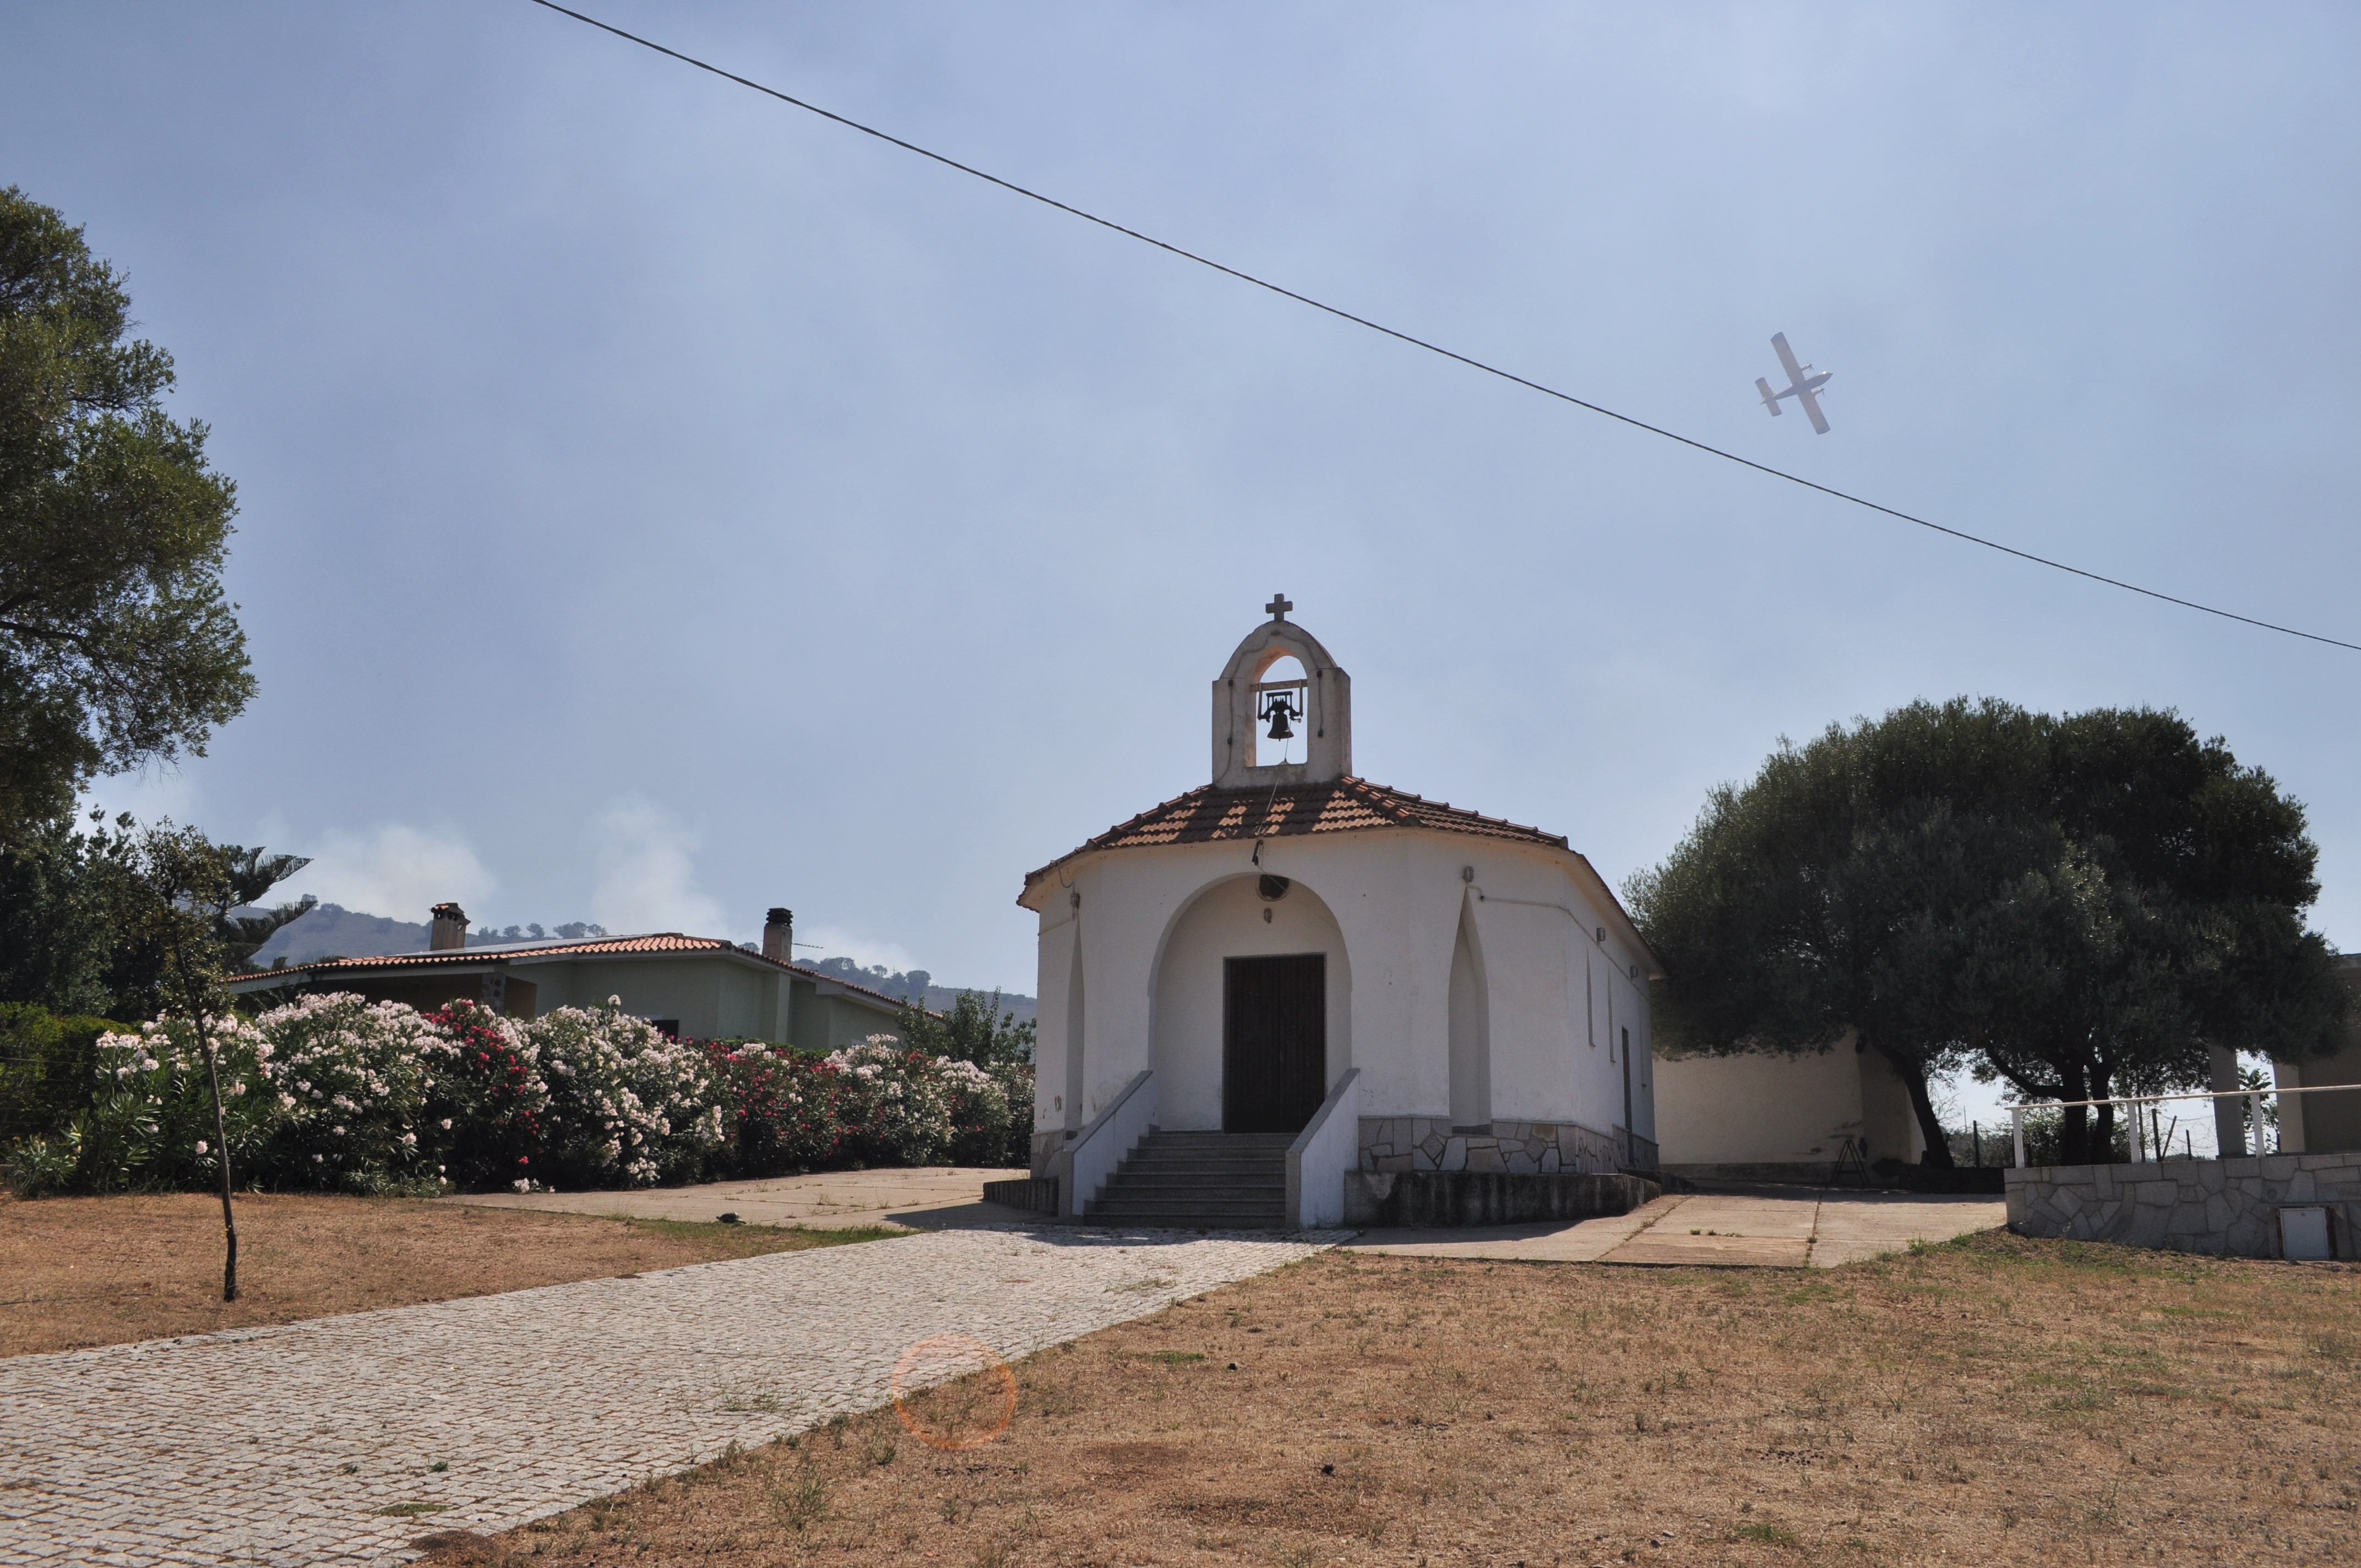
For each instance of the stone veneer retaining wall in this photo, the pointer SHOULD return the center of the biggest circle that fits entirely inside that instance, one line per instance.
(2221, 1206)
(1523, 1148)
(1426, 1199)
(1427, 1143)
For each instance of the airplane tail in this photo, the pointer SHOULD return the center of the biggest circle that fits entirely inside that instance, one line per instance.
(1770, 401)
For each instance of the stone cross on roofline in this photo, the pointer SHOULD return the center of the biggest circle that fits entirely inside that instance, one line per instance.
(1278, 605)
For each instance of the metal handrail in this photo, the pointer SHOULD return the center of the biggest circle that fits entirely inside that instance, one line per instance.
(2139, 1133)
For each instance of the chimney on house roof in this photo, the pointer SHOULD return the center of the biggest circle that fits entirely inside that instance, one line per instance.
(448, 930)
(779, 935)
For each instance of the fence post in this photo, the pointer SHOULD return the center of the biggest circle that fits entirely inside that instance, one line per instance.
(2017, 1114)
(2139, 1136)
(2254, 1118)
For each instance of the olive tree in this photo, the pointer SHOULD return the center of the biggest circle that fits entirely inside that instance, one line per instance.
(2079, 906)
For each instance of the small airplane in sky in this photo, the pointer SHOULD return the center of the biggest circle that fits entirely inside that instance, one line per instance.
(1802, 385)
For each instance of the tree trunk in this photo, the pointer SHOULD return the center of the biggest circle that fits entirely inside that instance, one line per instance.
(1922, 1103)
(2074, 1122)
(2102, 1086)
(220, 1136)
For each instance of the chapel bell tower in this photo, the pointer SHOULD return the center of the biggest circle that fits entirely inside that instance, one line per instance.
(1257, 719)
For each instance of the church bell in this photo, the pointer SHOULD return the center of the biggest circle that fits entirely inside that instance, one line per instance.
(1280, 711)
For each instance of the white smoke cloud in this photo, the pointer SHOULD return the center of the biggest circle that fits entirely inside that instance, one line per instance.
(392, 869)
(837, 942)
(647, 873)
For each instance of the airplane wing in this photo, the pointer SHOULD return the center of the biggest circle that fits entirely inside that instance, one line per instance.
(1787, 359)
(1811, 401)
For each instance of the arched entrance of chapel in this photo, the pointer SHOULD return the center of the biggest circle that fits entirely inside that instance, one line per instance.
(1187, 1016)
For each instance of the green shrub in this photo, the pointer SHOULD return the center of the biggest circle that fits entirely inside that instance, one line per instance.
(48, 1068)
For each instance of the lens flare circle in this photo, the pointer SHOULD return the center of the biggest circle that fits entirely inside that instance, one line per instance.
(975, 1415)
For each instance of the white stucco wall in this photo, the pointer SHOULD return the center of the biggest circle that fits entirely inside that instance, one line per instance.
(711, 997)
(1766, 1109)
(1225, 921)
(1557, 997)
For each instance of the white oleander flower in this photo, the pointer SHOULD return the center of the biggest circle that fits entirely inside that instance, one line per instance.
(201, 1146)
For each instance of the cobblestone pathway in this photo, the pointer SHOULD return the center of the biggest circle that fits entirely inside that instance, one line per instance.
(341, 1440)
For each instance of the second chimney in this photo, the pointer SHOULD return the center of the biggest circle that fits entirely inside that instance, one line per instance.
(779, 935)
(448, 930)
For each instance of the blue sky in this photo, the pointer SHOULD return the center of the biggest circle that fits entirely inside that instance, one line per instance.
(659, 504)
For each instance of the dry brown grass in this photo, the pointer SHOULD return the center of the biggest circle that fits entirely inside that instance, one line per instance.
(85, 1271)
(1992, 1401)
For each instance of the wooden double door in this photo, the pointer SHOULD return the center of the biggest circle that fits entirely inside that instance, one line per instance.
(1274, 1041)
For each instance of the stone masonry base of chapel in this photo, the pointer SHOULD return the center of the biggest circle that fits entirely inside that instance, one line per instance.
(1427, 1143)
(2226, 1207)
(1522, 1148)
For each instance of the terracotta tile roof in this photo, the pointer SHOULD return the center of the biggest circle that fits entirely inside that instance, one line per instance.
(594, 947)
(1206, 815)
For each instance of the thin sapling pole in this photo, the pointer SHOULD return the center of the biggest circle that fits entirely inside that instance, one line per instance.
(221, 1129)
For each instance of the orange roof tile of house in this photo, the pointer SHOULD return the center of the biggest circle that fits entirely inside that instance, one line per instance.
(1206, 815)
(595, 947)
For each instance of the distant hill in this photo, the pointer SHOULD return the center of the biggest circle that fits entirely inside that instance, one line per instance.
(916, 985)
(332, 931)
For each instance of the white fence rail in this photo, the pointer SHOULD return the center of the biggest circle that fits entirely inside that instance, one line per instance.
(2160, 1133)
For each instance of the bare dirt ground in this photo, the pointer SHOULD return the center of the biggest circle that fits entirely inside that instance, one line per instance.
(1991, 1400)
(88, 1271)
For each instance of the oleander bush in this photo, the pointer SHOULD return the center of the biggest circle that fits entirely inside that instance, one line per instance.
(877, 1103)
(488, 1108)
(149, 1123)
(350, 1079)
(629, 1105)
(333, 1092)
(779, 1109)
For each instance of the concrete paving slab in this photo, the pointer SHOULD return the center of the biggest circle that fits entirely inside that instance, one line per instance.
(1585, 1241)
(1775, 1228)
(926, 1198)
(1668, 1247)
(1746, 1214)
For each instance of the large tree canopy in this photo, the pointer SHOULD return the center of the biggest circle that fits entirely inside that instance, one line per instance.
(74, 915)
(2079, 906)
(116, 646)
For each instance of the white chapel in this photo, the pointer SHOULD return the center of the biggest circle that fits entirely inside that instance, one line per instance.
(1292, 997)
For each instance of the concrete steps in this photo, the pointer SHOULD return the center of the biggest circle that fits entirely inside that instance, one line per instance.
(1199, 1182)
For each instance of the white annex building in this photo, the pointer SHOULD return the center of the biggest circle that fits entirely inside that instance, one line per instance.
(1275, 998)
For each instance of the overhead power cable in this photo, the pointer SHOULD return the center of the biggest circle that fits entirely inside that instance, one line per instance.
(1431, 348)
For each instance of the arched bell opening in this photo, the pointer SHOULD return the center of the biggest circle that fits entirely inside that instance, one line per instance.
(1282, 711)
(1250, 1015)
